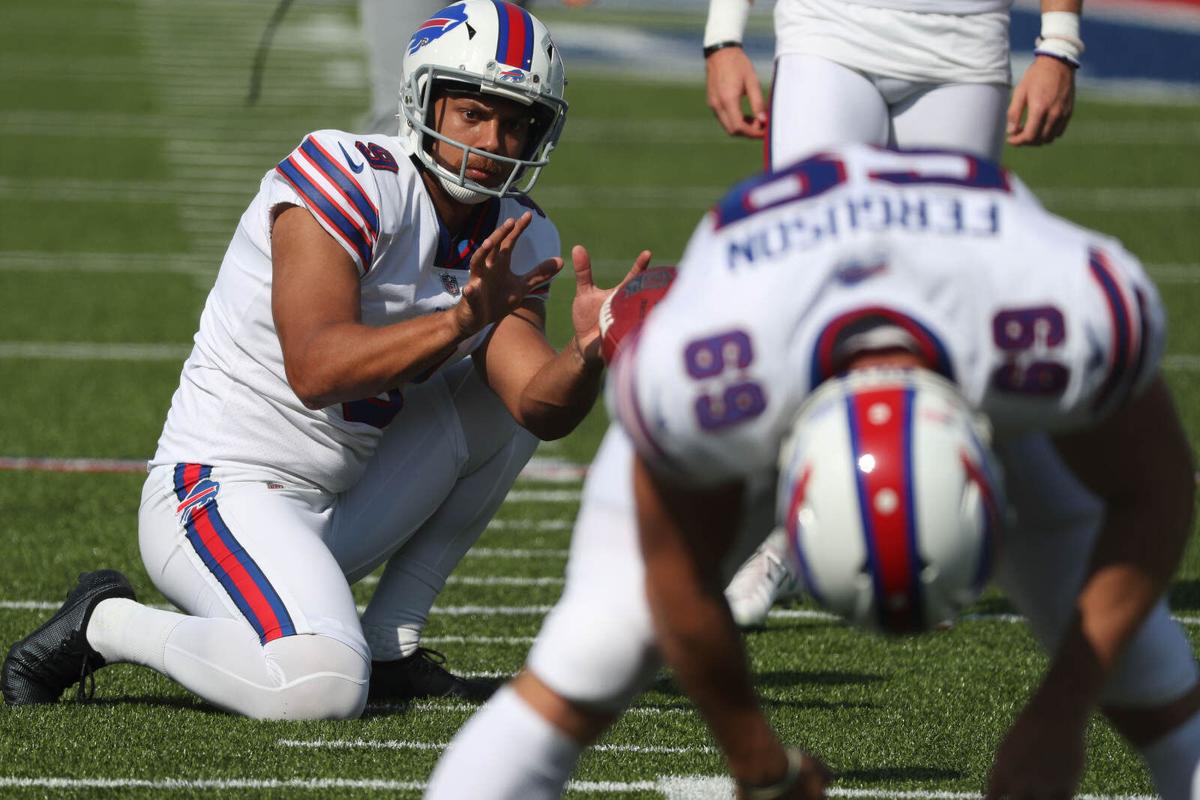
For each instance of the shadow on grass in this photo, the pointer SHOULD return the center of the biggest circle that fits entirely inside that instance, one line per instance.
(892, 774)
(179, 703)
(1184, 595)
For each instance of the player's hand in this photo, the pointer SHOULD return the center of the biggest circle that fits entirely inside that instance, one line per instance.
(1045, 97)
(731, 77)
(1040, 758)
(585, 309)
(493, 291)
(810, 783)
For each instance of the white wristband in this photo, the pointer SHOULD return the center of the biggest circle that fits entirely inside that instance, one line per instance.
(1060, 36)
(726, 21)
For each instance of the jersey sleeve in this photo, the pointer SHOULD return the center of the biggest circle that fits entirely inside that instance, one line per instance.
(329, 176)
(1078, 348)
(1128, 324)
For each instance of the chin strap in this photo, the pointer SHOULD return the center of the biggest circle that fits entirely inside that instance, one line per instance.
(461, 193)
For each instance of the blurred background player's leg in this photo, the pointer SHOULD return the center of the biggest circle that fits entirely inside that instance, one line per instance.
(817, 103)
(440, 473)
(954, 116)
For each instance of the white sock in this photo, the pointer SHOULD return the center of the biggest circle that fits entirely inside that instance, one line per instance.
(507, 751)
(1174, 760)
(221, 660)
(392, 642)
(123, 630)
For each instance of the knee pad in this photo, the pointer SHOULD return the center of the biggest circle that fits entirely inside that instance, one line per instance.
(319, 678)
(596, 655)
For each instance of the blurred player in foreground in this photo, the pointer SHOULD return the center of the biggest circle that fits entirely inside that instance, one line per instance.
(900, 73)
(792, 294)
(325, 418)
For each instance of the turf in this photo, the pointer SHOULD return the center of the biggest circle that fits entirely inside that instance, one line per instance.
(127, 152)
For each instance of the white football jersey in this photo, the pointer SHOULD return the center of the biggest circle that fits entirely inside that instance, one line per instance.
(234, 405)
(1043, 325)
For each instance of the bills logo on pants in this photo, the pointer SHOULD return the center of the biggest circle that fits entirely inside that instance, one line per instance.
(225, 557)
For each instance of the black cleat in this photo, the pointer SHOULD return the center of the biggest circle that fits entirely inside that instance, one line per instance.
(55, 656)
(422, 675)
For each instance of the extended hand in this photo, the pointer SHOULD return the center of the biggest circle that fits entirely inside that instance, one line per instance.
(731, 77)
(493, 291)
(585, 309)
(1046, 98)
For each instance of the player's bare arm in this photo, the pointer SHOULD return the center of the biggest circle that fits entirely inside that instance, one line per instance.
(1138, 461)
(550, 393)
(1044, 99)
(684, 536)
(733, 85)
(330, 356)
(730, 77)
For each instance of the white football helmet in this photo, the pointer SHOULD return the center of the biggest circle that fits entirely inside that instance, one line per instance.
(891, 499)
(490, 47)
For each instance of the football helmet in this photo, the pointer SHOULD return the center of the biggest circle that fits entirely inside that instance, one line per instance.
(891, 499)
(489, 47)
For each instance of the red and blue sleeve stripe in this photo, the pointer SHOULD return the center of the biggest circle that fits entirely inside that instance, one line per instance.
(233, 567)
(1126, 335)
(887, 506)
(514, 45)
(350, 189)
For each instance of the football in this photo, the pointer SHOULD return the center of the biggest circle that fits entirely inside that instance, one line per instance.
(626, 309)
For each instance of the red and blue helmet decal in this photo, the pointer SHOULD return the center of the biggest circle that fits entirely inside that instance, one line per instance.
(437, 26)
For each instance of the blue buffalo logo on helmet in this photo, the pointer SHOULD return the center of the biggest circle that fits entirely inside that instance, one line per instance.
(512, 76)
(437, 26)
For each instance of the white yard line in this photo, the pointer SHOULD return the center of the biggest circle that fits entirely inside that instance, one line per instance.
(394, 744)
(673, 787)
(539, 469)
(205, 265)
(541, 610)
(140, 351)
(505, 552)
(237, 192)
(94, 351)
(584, 130)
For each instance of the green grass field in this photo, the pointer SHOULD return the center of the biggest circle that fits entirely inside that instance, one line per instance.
(127, 154)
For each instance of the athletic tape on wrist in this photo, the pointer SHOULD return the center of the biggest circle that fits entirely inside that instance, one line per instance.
(1060, 37)
(726, 21)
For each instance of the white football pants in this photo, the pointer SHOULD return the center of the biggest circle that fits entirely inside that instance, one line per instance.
(263, 559)
(817, 103)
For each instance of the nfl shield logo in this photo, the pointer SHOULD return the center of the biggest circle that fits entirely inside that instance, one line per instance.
(450, 284)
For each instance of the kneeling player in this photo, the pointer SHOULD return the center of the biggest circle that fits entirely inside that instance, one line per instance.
(328, 418)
